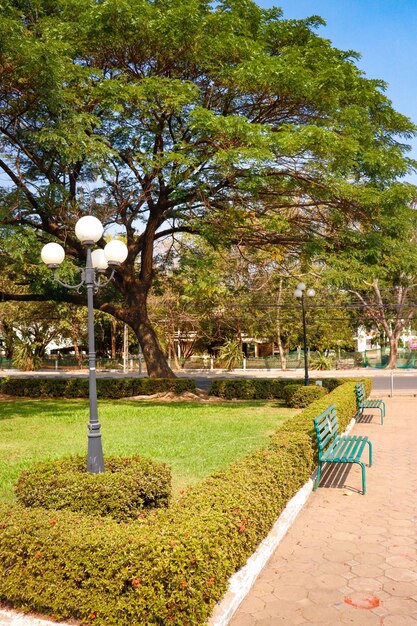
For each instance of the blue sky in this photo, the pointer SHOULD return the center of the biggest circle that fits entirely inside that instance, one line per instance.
(384, 32)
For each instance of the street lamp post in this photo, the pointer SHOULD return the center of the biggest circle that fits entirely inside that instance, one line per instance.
(89, 230)
(299, 293)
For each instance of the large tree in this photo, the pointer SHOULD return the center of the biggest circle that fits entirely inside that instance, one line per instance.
(170, 116)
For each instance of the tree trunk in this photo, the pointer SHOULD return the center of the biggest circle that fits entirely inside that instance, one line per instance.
(393, 350)
(138, 320)
(113, 339)
(281, 350)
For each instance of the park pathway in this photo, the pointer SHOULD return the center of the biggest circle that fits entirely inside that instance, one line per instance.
(349, 558)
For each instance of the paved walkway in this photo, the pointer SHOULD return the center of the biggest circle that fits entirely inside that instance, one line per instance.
(349, 558)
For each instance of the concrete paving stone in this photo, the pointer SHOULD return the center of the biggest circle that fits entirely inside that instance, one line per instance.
(366, 570)
(308, 581)
(325, 597)
(326, 567)
(243, 619)
(357, 617)
(330, 581)
(406, 551)
(402, 540)
(252, 604)
(361, 583)
(399, 620)
(339, 556)
(401, 606)
(402, 561)
(401, 574)
(275, 621)
(322, 615)
(290, 592)
(395, 588)
(280, 608)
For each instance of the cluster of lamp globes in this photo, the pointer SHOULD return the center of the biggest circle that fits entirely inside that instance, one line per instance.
(88, 230)
(299, 291)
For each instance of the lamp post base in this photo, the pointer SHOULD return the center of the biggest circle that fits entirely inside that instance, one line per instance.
(95, 459)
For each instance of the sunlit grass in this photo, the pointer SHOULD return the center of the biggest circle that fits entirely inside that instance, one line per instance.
(193, 439)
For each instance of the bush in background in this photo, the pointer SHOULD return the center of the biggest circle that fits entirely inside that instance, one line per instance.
(106, 387)
(301, 396)
(262, 388)
(128, 486)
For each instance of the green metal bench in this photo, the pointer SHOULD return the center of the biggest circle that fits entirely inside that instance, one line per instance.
(335, 448)
(366, 403)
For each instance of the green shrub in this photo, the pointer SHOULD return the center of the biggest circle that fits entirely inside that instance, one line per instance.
(106, 387)
(128, 486)
(262, 388)
(288, 391)
(304, 396)
(170, 567)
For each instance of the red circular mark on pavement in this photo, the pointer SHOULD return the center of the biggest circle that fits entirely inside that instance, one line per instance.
(363, 602)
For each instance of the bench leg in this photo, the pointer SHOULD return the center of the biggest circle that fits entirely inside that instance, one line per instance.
(382, 415)
(363, 477)
(316, 482)
(370, 453)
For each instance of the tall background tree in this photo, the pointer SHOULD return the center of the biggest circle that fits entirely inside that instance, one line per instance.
(184, 116)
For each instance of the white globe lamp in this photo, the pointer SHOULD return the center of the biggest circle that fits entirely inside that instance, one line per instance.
(98, 260)
(89, 229)
(52, 254)
(115, 252)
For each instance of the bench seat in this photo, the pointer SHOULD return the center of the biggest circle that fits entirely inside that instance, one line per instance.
(368, 403)
(335, 448)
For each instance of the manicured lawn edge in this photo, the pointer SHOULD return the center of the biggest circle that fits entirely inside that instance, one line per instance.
(172, 566)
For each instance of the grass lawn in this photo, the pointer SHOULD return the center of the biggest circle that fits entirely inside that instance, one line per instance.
(193, 439)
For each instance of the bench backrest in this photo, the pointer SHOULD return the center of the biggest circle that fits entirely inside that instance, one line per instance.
(360, 392)
(326, 426)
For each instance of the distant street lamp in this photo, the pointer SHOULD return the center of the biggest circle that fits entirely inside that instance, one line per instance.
(89, 230)
(299, 293)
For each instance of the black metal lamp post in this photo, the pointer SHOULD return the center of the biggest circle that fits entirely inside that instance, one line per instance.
(89, 230)
(299, 293)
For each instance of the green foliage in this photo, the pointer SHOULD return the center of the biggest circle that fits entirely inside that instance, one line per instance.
(78, 387)
(304, 396)
(172, 566)
(24, 357)
(196, 110)
(261, 388)
(231, 354)
(321, 361)
(289, 390)
(128, 486)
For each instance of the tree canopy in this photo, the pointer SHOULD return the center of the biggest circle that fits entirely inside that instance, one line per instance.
(187, 116)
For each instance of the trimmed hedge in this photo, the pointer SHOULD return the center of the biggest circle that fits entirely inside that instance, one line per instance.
(303, 396)
(106, 387)
(265, 388)
(169, 568)
(128, 486)
(261, 388)
(172, 566)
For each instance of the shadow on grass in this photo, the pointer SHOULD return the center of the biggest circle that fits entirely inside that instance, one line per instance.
(27, 408)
